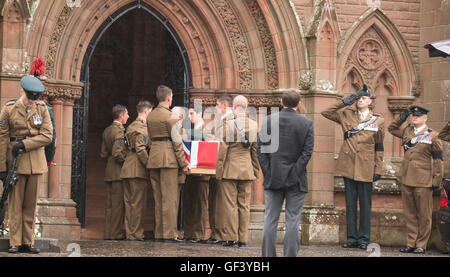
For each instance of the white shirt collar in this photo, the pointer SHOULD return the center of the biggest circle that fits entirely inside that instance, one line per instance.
(418, 130)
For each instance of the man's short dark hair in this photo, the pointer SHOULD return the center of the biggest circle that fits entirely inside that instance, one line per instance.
(142, 105)
(290, 98)
(162, 92)
(117, 110)
(226, 98)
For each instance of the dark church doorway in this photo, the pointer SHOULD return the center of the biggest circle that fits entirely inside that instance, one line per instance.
(133, 52)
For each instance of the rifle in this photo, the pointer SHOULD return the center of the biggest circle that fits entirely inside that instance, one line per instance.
(8, 184)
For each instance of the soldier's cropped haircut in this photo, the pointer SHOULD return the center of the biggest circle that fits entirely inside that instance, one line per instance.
(240, 101)
(290, 98)
(117, 110)
(226, 98)
(142, 105)
(162, 92)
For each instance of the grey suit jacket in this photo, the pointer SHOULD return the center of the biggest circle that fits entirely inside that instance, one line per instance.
(285, 165)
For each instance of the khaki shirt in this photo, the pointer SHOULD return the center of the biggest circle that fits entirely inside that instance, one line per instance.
(114, 149)
(37, 129)
(234, 161)
(164, 154)
(422, 165)
(445, 133)
(361, 156)
(136, 159)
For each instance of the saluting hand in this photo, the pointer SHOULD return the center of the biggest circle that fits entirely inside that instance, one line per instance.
(404, 115)
(349, 100)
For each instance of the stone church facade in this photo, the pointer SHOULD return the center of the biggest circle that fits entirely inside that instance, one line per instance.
(102, 52)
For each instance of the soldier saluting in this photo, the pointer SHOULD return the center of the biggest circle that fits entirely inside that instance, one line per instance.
(360, 161)
(25, 126)
(421, 169)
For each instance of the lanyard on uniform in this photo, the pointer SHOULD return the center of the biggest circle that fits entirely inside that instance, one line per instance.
(360, 127)
(415, 140)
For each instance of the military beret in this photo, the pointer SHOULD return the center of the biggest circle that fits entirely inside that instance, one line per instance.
(31, 84)
(364, 91)
(418, 110)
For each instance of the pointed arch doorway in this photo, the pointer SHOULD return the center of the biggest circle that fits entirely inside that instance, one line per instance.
(135, 50)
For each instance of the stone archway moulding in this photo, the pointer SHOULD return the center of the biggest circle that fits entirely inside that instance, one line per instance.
(374, 48)
(200, 24)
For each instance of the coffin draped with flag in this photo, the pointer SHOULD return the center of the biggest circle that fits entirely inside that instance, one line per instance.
(202, 156)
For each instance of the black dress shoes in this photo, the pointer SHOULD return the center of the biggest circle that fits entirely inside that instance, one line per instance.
(231, 243)
(212, 241)
(13, 250)
(173, 240)
(26, 248)
(419, 250)
(194, 240)
(407, 249)
(350, 245)
(242, 244)
(363, 246)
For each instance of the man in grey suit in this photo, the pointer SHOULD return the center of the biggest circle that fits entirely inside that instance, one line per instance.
(284, 168)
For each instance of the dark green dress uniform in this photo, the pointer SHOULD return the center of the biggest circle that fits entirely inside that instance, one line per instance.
(27, 129)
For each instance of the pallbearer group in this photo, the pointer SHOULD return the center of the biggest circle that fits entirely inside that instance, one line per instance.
(150, 154)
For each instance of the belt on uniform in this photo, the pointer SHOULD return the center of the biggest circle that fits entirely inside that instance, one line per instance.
(162, 139)
(16, 139)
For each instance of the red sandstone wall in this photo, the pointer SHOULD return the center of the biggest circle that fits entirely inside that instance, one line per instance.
(405, 14)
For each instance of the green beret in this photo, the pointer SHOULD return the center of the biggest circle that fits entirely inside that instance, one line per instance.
(364, 91)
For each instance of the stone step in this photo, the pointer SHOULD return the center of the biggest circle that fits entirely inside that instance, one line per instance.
(44, 244)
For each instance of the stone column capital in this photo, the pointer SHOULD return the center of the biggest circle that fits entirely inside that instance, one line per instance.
(62, 91)
(397, 104)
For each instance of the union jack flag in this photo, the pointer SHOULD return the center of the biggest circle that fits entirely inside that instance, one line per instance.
(201, 154)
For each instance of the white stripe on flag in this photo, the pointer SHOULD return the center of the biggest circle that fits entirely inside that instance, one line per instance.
(194, 154)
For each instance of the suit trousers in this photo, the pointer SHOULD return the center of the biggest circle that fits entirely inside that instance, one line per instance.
(115, 211)
(195, 207)
(135, 197)
(295, 200)
(353, 191)
(22, 203)
(233, 210)
(166, 192)
(212, 206)
(418, 210)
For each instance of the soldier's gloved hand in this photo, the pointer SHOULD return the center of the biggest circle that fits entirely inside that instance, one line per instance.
(349, 100)
(3, 175)
(404, 115)
(376, 177)
(16, 148)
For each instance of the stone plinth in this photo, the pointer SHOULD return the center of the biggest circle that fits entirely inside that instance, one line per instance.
(57, 219)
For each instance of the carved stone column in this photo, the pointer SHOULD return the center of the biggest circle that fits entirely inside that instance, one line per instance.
(56, 212)
(320, 222)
